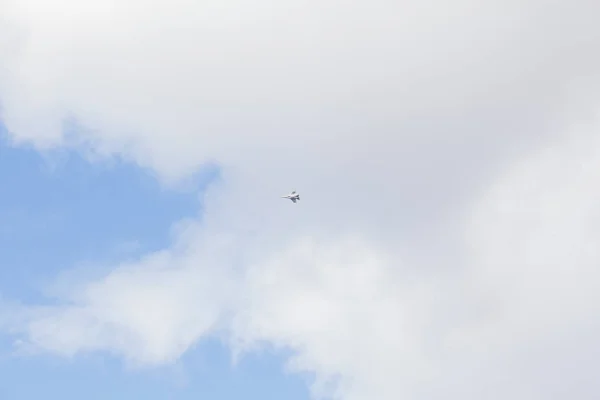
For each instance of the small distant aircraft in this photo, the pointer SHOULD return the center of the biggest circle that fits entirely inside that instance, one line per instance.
(292, 196)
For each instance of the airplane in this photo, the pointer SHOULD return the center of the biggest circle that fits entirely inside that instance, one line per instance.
(292, 196)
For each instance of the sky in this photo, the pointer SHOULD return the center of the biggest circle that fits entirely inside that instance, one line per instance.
(446, 241)
(62, 212)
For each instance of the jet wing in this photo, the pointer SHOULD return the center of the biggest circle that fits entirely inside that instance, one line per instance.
(293, 199)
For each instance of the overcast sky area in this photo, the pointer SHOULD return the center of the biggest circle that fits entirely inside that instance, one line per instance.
(447, 241)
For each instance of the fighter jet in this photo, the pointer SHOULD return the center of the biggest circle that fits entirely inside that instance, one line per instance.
(292, 196)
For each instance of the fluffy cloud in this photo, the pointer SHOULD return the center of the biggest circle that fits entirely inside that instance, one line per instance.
(459, 262)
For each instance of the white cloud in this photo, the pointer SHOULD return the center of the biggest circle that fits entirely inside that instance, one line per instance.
(460, 263)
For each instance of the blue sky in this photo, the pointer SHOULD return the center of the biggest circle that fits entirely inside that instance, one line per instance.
(59, 211)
